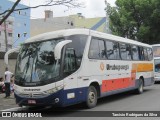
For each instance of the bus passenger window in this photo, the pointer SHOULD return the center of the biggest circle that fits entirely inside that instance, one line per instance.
(150, 53)
(97, 49)
(141, 53)
(125, 51)
(112, 50)
(145, 54)
(135, 53)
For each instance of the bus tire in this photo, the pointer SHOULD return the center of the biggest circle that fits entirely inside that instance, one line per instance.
(139, 90)
(91, 97)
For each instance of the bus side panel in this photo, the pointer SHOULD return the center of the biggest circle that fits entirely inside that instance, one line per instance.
(145, 70)
(74, 96)
(115, 84)
(103, 94)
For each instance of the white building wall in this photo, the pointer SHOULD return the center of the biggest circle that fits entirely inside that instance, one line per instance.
(39, 26)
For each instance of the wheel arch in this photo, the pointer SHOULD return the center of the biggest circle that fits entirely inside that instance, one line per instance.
(142, 78)
(97, 86)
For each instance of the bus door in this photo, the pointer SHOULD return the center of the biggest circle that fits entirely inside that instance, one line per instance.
(71, 94)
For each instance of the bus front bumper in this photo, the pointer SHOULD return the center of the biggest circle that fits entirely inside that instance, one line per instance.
(54, 99)
(156, 79)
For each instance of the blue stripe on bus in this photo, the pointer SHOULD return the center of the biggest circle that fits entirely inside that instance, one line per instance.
(80, 96)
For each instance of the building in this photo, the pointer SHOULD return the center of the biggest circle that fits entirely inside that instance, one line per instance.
(16, 28)
(50, 23)
(13, 32)
(97, 23)
(6, 34)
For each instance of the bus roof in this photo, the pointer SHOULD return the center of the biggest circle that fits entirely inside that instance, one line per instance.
(156, 45)
(57, 34)
(68, 32)
(155, 58)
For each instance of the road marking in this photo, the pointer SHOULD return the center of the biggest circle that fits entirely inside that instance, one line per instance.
(13, 109)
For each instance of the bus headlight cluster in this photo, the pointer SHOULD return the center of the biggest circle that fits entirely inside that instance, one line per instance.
(54, 90)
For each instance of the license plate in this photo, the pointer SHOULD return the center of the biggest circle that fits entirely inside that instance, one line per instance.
(31, 102)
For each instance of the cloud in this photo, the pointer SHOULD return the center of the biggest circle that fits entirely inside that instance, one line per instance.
(93, 8)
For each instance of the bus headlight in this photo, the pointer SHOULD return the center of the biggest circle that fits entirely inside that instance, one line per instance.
(50, 91)
(17, 92)
(53, 90)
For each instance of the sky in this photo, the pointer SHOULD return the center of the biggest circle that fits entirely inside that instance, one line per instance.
(93, 8)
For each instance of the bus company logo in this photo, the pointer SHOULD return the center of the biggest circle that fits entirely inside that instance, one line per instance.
(32, 89)
(102, 66)
(117, 67)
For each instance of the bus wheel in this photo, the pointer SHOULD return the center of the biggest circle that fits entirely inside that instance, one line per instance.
(91, 97)
(139, 90)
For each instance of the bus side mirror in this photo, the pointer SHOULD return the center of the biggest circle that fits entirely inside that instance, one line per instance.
(8, 53)
(58, 48)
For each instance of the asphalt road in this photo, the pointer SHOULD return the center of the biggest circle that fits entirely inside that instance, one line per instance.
(129, 101)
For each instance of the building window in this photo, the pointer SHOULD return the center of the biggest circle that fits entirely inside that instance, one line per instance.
(25, 13)
(24, 24)
(72, 24)
(10, 23)
(25, 34)
(19, 12)
(10, 34)
(9, 46)
(19, 35)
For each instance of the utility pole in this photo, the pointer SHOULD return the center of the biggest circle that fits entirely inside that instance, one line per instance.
(106, 28)
(5, 32)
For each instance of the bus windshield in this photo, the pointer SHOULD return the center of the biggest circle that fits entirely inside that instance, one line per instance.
(157, 65)
(36, 63)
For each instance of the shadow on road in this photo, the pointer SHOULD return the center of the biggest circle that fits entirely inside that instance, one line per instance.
(157, 83)
(119, 96)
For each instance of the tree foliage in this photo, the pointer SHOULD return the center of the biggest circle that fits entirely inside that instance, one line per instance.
(136, 19)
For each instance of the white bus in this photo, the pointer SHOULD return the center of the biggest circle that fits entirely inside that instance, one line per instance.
(157, 69)
(156, 54)
(156, 50)
(71, 66)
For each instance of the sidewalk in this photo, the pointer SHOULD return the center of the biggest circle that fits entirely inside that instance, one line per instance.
(6, 103)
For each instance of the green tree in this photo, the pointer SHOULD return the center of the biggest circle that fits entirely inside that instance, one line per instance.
(136, 19)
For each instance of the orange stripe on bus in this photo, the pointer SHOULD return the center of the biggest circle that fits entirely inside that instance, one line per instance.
(115, 84)
(120, 83)
(144, 67)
